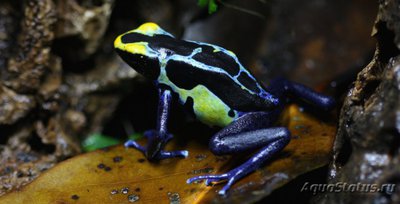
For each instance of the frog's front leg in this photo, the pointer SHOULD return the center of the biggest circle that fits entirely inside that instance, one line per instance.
(250, 131)
(159, 137)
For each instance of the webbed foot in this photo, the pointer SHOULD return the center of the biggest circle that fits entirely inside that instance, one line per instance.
(231, 177)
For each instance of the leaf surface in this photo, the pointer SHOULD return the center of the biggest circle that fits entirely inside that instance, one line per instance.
(121, 175)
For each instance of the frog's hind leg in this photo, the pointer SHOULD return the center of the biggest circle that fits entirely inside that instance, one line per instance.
(158, 138)
(248, 132)
(281, 87)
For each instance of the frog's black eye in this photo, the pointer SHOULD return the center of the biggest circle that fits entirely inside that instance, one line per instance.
(146, 66)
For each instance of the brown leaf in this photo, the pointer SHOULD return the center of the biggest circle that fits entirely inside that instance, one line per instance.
(120, 175)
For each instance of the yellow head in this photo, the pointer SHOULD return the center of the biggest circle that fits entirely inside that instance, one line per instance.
(133, 47)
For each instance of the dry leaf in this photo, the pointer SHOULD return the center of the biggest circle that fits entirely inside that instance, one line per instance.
(120, 175)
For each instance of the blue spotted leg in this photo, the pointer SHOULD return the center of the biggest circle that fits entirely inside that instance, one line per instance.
(250, 131)
(157, 139)
(254, 131)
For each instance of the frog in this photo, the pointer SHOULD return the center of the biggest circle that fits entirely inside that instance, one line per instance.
(219, 91)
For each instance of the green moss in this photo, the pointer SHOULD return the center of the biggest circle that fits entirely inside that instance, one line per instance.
(212, 5)
(98, 141)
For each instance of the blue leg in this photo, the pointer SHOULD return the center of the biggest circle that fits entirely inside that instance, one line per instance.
(158, 138)
(281, 88)
(247, 132)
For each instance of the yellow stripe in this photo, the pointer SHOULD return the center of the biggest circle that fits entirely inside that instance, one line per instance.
(134, 48)
(208, 107)
(118, 43)
(148, 29)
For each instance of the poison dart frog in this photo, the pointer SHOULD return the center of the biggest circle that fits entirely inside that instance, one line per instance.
(219, 91)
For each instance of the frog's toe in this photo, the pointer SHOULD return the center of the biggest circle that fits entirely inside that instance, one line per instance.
(224, 189)
(208, 178)
(158, 156)
(171, 154)
(209, 182)
(133, 144)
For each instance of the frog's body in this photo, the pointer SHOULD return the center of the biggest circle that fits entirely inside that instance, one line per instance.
(215, 75)
(214, 85)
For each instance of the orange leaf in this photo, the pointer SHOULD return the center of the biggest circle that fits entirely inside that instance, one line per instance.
(120, 175)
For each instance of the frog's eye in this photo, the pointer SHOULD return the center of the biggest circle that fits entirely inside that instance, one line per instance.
(135, 52)
(134, 49)
(147, 66)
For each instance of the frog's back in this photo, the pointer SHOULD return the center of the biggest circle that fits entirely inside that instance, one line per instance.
(211, 81)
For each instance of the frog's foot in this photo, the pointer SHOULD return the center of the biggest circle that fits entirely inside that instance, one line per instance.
(232, 176)
(155, 155)
(275, 138)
